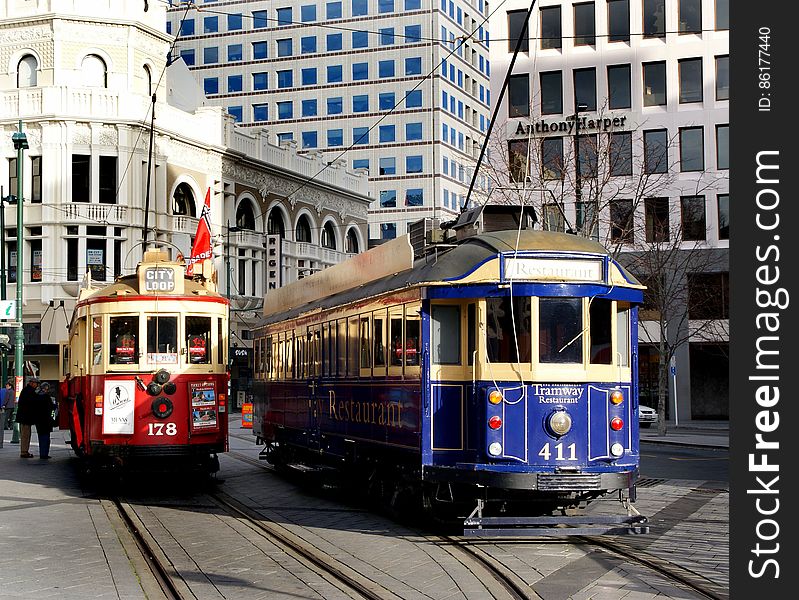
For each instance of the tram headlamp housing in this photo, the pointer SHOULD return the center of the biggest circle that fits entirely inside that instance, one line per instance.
(162, 376)
(560, 423)
(162, 407)
(495, 449)
(616, 450)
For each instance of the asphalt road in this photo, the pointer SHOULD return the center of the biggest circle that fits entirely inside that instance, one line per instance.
(660, 461)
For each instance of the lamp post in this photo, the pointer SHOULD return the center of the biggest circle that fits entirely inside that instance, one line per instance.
(20, 145)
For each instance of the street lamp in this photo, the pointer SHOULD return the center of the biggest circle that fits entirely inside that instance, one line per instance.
(20, 141)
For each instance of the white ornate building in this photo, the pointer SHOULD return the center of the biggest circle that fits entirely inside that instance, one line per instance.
(82, 79)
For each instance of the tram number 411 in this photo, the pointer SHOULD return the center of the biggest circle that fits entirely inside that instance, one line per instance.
(162, 429)
(570, 454)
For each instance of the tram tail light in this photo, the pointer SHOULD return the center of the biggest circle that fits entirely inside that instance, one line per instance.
(616, 397)
(98, 405)
(616, 423)
(495, 422)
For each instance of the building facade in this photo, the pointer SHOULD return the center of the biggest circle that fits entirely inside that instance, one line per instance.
(398, 88)
(615, 125)
(83, 83)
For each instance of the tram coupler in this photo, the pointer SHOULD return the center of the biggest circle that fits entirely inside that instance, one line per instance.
(478, 526)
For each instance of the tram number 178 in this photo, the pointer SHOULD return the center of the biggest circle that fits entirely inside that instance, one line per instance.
(569, 454)
(162, 429)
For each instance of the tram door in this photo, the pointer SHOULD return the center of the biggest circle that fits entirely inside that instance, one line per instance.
(313, 361)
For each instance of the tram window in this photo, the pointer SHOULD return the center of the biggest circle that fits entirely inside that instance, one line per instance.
(325, 350)
(366, 359)
(623, 334)
(198, 339)
(341, 352)
(266, 356)
(508, 333)
(97, 340)
(65, 361)
(353, 358)
(395, 335)
(600, 327)
(220, 349)
(379, 350)
(124, 335)
(446, 334)
(412, 341)
(162, 335)
(560, 330)
(289, 356)
(471, 332)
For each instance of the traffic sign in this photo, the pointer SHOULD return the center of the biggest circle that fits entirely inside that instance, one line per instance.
(8, 309)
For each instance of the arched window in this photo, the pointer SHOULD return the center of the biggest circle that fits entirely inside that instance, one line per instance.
(183, 201)
(328, 236)
(352, 242)
(245, 218)
(148, 80)
(94, 70)
(275, 224)
(303, 233)
(27, 71)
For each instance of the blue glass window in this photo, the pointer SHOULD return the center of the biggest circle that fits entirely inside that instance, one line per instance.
(308, 13)
(334, 74)
(360, 71)
(284, 47)
(360, 7)
(413, 66)
(310, 139)
(360, 39)
(260, 112)
(333, 10)
(168, 27)
(285, 137)
(234, 83)
(285, 110)
(235, 53)
(413, 164)
(388, 199)
(388, 165)
(413, 131)
(335, 137)
(388, 231)
(285, 79)
(284, 16)
(211, 24)
(413, 33)
(385, 68)
(234, 22)
(259, 50)
(360, 103)
(360, 163)
(360, 135)
(387, 36)
(387, 133)
(386, 100)
(309, 76)
(309, 107)
(385, 6)
(414, 197)
(187, 27)
(236, 112)
(260, 81)
(187, 56)
(335, 105)
(334, 42)
(210, 55)
(211, 85)
(259, 20)
(413, 4)
(308, 44)
(413, 99)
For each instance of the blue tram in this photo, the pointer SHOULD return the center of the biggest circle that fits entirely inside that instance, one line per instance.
(499, 371)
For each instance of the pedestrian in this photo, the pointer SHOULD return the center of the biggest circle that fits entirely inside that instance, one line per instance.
(7, 400)
(26, 415)
(44, 419)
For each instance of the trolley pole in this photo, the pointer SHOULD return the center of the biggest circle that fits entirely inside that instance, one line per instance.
(20, 145)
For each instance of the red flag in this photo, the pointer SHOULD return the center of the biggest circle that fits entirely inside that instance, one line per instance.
(201, 249)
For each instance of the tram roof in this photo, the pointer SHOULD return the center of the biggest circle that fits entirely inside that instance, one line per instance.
(450, 263)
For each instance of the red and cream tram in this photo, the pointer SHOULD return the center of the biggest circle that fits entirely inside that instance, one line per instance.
(144, 373)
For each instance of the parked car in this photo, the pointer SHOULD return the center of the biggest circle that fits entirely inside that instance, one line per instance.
(647, 416)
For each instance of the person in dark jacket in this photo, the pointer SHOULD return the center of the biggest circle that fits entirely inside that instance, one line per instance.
(44, 419)
(26, 415)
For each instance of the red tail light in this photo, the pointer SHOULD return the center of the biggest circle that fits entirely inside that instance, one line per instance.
(616, 423)
(495, 422)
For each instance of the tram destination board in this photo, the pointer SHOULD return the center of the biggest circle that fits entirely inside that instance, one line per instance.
(159, 279)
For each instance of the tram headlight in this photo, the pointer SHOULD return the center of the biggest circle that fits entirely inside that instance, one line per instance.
(495, 449)
(162, 407)
(616, 450)
(560, 423)
(162, 376)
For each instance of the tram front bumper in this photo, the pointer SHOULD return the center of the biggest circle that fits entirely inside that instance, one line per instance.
(545, 482)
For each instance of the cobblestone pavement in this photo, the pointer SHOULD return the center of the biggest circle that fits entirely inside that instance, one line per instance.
(57, 542)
